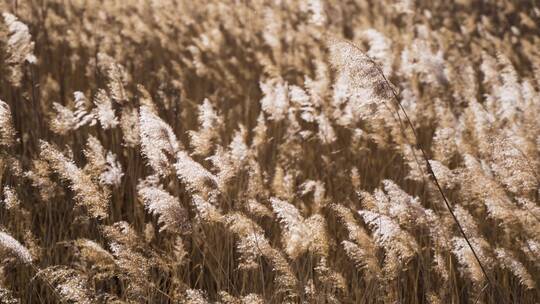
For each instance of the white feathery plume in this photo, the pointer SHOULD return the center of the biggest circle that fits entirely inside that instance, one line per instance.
(357, 71)
(511, 167)
(356, 180)
(206, 211)
(198, 63)
(417, 171)
(20, 48)
(315, 9)
(158, 141)
(404, 6)
(193, 174)
(83, 114)
(467, 221)
(20, 42)
(195, 296)
(506, 102)
(230, 162)
(301, 234)
(226, 167)
(92, 252)
(11, 201)
(359, 86)
(253, 244)
(319, 241)
(70, 285)
(68, 120)
(257, 209)
(248, 299)
(361, 249)
(95, 157)
(481, 122)
(172, 216)
(11, 245)
(257, 181)
(7, 131)
(326, 133)
(273, 27)
(64, 121)
(296, 236)
(317, 187)
(112, 174)
(8, 297)
(463, 252)
(445, 176)
(444, 144)
(399, 205)
(207, 115)
(503, 210)
(104, 110)
(530, 211)
(238, 147)
(508, 261)
(209, 121)
(133, 265)
(117, 76)
(355, 253)
(283, 184)
(466, 259)
(102, 167)
(420, 59)
(399, 245)
(87, 193)
(40, 178)
(300, 98)
(380, 49)
(145, 99)
(275, 101)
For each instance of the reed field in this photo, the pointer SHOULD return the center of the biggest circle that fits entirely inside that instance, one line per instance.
(270, 151)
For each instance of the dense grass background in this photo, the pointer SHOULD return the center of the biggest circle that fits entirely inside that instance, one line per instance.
(262, 159)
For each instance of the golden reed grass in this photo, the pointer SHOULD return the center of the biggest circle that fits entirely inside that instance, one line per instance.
(293, 151)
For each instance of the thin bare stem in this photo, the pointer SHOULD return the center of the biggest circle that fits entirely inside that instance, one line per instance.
(426, 159)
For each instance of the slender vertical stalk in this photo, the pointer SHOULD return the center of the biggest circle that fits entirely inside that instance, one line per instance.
(426, 159)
